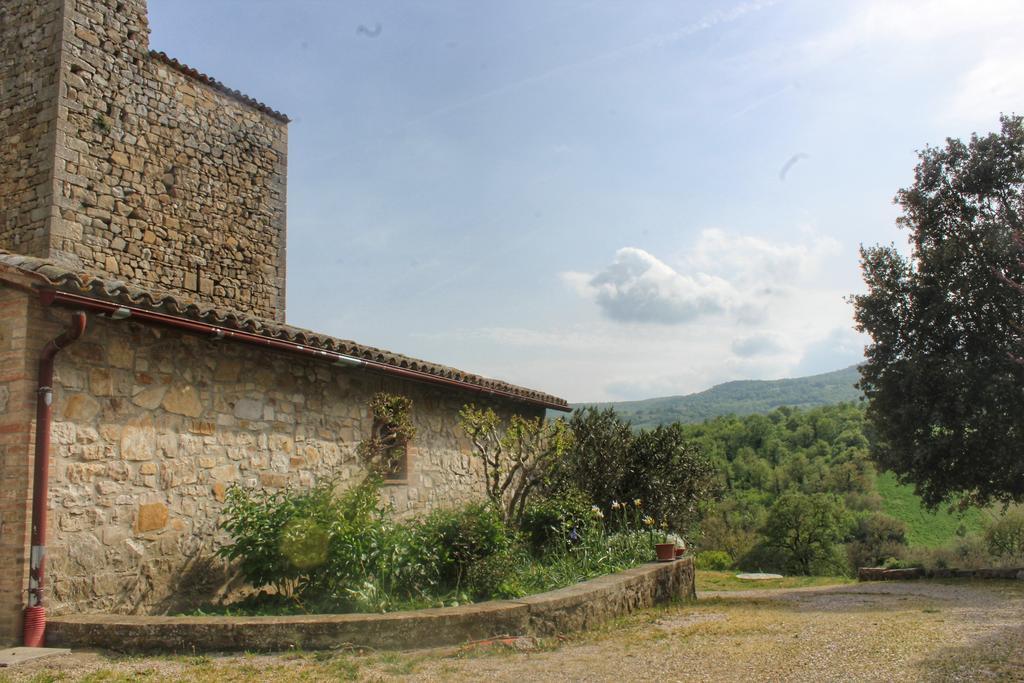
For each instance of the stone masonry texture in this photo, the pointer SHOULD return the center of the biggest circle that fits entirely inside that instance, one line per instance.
(17, 409)
(582, 606)
(121, 163)
(118, 162)
(152, 426)
(29, 57)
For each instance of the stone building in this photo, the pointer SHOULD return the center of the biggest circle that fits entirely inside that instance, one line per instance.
(152, 198)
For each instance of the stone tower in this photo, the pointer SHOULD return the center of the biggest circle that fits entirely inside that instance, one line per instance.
(119, 161)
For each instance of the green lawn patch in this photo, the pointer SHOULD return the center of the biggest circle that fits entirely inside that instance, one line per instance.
(925, 529)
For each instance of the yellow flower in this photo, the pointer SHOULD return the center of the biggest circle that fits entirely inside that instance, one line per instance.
(596, 511)
(648, 520)
(637, 502)
(616, 505)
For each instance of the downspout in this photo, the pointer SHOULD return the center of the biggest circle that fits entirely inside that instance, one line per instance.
(34, 631)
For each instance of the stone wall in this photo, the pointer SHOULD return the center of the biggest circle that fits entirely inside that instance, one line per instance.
(29, 57)
(164, 180)
(120, 162)
(151, 426)
(17, 410)
(583, 606)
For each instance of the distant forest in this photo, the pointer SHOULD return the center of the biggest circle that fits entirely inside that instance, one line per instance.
(745, 397)
(803, 442)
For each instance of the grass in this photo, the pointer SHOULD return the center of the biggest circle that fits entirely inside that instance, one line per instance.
(925, 529)
(726, 581)
(958, 630)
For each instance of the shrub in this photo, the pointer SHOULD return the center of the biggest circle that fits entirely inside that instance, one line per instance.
(518, 457)
(598, 461)
(285, 539)
(897, 563)
(876, 537)
(609, 462)
(464, 536)
(969, 552)
(497, 576)
(713, 559)
(328, 549)
(549, 522)
(1005, 536)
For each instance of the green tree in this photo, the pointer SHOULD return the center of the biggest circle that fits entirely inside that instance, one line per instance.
(518, 457)
(943, 376)
(805, 529)
(664, 467)
(599, 458)
(673, 477)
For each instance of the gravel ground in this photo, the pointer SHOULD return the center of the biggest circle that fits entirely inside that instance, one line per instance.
(914, 631)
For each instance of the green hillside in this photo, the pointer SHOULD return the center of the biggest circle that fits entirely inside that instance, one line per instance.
(745, 397)
(925, 529)
(722, 437)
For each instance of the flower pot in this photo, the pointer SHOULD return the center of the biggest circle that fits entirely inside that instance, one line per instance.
(680, 550)
(666, 551)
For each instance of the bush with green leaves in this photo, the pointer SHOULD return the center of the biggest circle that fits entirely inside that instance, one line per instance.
(1005, 536)
(288, 539)
(463, 537)
(518, 455)
(550, 521)
(323, 547)
(874, 539)
(716, 560)
(663, 467)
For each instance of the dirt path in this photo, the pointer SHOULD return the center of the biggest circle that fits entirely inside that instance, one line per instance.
(923, 631)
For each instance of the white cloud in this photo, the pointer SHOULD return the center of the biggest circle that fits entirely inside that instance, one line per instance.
(757, 262)
(995, 85)
(841, 347)
(638, 287)
(918, 21)
(985, 33)
(765, 344)
(722, 274)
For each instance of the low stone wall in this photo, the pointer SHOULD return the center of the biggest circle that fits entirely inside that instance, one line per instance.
(570, 609)
(883, 574)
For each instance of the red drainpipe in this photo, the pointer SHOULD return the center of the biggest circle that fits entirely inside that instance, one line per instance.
(35, 614)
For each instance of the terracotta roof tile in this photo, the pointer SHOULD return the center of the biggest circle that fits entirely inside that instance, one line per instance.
(217, 85)
(179, 304)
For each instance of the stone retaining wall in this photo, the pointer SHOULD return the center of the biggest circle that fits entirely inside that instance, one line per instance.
(570, 609)
(883, 574)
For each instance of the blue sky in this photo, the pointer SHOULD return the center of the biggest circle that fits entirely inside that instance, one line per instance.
(603, 200)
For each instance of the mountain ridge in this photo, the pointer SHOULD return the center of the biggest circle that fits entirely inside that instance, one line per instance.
(740, 397)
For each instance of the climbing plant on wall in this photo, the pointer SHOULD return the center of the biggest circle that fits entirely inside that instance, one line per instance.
(384, 450)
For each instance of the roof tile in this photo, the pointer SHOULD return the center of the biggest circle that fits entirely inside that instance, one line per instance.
(175, 303)
(217, 85)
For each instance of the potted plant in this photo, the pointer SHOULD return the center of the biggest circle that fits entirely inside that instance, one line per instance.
(666, 551)
(680, 543)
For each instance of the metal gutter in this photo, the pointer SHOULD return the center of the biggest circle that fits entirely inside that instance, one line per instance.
(119, 312)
